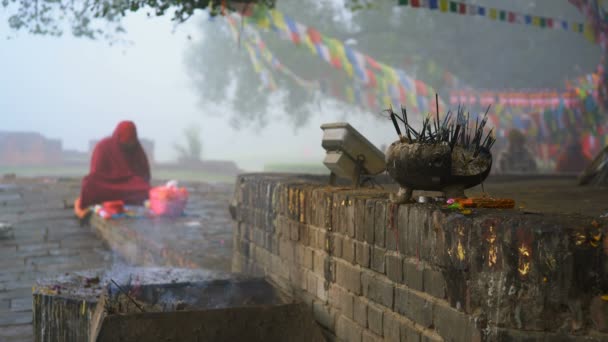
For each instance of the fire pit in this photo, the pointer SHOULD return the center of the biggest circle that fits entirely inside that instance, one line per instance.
(168, 305)
(443, 156)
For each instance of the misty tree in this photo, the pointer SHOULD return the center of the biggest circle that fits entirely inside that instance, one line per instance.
(102, 18)
(191, 151)
(482, 53)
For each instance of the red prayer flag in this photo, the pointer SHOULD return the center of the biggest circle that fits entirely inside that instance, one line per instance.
(511, 17)
(462, 8)
(415, 3)
(315, 36)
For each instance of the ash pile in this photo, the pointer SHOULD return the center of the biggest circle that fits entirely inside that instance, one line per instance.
(160, 304)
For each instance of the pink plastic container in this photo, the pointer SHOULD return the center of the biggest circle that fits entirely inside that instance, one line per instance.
(166, 201)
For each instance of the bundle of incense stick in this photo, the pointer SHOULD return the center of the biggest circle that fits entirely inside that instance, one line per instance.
(454, 132)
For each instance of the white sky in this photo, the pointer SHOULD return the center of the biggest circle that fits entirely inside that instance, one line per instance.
(78, 89)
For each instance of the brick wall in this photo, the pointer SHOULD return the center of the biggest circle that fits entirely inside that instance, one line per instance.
(373, 271)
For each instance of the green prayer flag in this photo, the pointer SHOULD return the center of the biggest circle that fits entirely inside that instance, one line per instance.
(543, 22)
(503, 15)
(453, 6)
(403, 2)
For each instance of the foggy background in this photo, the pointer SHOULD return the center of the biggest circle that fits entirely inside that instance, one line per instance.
(172, 77)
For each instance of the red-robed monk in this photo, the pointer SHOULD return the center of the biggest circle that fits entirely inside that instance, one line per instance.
(119, 171)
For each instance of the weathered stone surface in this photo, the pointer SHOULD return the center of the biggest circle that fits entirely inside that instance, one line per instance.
(374, 318)
(507, 268)
(362, 254)
(348, 330)
(349, 277)
(377, 289)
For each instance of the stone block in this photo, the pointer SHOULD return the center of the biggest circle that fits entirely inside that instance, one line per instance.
(392, 332)
(286, 250)
(348, 250)
(368, 230)
(362, 254)
(394, 267)
(349, 218)
(359, 223)
(322, 240)
(303, 234)
(413, 274)
(377, 289)
(451, 324)
(377, 261)
(403, 224)
(360, 311)
(307, 257)
(319, 263)
(347, 304)
(369, 336)
(348, 330)
(409, 333)
(324, 315)
(380, 224)
(337, 242)
(392, 226)
(434, 283)
(374, 318)
(349, 277)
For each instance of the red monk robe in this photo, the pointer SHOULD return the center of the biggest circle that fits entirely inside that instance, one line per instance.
(119, 170)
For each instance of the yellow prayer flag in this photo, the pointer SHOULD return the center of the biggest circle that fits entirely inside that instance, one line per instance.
(444, 5)
(349, 69)
(536, 21)
(589, 33)
(493, 13)
(277, 17)
(387, 101)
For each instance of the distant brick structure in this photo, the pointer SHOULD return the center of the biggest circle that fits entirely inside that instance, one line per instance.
(29, 149)
(147, 144)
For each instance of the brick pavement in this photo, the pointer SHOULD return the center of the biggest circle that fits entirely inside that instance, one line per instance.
(47, 241)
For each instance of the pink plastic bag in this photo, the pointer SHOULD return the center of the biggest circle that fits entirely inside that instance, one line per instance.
(168, 201)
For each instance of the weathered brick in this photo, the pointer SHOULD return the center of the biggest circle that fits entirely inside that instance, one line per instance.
(294, 231)
(374, 318)
(434, 283)
(348, 277)
(392, 226)
(377, 289)
(286, 250)
(369, 336)
(394, 267)
(391, 328)
(306, 258)
(322, 287)
(451, 324)
(380, 224)
(349, 218)
(312, 237)
(377, 261)
(303, 234)
(359, 219)
(409, 333)
(402, 225)
(348, 250)
(360, 311)
(337, 241)
(347, 304)
(311, 285)
(322, 241)
(319, 263)
(348, 330)
(419, 310)
(368, 230)
(362, 254)
(324, 315)
(413, 274)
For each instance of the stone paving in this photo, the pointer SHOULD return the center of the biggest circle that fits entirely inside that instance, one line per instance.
(47, 241)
